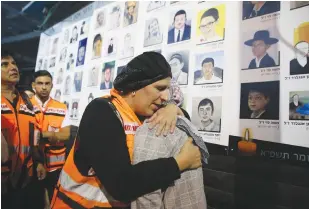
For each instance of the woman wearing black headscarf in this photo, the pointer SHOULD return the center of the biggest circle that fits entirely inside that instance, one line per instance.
(98, 172)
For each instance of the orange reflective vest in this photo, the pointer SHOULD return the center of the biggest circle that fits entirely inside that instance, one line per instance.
(20, 129)
(78, 191)
(51, 120)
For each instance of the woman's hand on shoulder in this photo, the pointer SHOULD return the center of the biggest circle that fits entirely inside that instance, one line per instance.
(165, 118)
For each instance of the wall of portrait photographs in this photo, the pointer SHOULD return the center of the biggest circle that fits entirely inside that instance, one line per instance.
(241, 65)
(275, 72)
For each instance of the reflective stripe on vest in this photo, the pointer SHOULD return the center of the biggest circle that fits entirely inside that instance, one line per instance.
(24, 149)
(55, 159)
(85, 190)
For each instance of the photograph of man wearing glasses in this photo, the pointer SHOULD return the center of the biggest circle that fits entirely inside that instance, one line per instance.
(207, 27)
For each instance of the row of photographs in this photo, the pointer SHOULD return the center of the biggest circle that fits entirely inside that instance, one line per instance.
(209, 68)
(210, 25)
(211, 29)
(256, 103)
(265, 102)
(250, 9)
(261, 51)
(206, 112)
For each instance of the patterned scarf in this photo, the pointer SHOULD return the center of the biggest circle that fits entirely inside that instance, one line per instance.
(185, 125)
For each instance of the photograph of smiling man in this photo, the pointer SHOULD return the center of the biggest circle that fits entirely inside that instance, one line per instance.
(211, 25)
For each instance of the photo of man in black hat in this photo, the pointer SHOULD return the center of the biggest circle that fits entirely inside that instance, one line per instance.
(107, 75)
(260, 43)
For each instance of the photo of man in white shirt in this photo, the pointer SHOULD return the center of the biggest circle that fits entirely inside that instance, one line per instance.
(207, 72)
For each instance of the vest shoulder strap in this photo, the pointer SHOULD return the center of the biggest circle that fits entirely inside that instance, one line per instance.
(109, 101)
(27, 101)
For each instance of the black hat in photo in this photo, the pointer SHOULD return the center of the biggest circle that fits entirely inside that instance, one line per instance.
(262, 35)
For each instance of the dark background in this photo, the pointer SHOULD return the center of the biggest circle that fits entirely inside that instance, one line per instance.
(21, 29)
(271, 88)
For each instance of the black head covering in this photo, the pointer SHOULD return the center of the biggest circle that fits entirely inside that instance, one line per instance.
(143, 70)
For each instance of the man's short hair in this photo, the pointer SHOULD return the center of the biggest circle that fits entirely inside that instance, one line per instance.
(261, 89)
(6, 54)
(41, 73)
(264, 93)
(107, 66)
(204, 102)
(208, 59)
(294, 96)
(180, 12)
(177, 56)
(211, 12)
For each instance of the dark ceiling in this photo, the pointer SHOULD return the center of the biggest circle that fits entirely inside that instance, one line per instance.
(20, 31)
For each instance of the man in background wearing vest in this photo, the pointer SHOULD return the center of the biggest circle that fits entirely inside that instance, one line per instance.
(22, 163)
(55, 125)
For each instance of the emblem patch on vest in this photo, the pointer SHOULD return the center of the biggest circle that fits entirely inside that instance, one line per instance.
(130, 128)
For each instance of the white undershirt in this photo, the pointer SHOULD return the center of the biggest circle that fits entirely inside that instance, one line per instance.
(257, 62)
(176, 31)
(302, 61)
